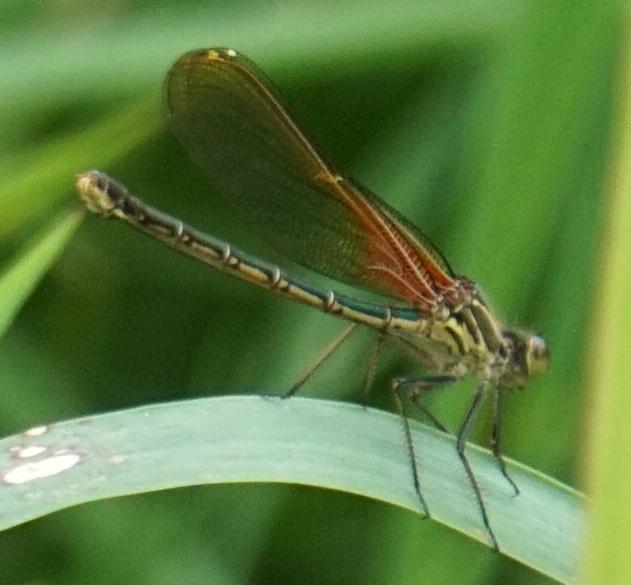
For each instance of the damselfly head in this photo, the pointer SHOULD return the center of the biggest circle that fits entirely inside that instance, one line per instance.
(529, 357)
(537, 355)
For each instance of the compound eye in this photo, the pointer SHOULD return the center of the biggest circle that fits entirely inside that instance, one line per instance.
(537, 355)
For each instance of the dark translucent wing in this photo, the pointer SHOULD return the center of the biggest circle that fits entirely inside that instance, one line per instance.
(228, 117)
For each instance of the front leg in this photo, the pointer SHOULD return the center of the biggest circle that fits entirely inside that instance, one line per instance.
(461, 442)
(496, 435)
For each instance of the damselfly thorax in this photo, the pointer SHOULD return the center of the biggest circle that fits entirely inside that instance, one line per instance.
(468, 340)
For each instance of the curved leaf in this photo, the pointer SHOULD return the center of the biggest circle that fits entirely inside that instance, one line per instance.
(302, 441)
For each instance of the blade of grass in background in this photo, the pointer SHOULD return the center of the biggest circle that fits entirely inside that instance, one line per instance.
(290, 34)
(43, 176)
(266, 439)
(608, 461)
(30, 264)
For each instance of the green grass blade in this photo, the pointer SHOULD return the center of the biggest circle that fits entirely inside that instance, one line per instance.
(303, 34)
(43, 176)
(609, 464)
(332, 445)
(18, 281)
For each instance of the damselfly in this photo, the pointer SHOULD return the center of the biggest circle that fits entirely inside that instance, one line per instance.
(234, 125)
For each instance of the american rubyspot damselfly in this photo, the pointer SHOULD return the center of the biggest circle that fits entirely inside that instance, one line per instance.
(234, 125)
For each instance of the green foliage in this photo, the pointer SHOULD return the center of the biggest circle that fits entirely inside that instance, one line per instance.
(610, 469)
(485, 122)
(30, 265)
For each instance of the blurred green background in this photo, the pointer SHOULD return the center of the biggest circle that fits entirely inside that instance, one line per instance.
(486, 122)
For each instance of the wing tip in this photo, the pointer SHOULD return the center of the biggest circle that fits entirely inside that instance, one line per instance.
(213, 54)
